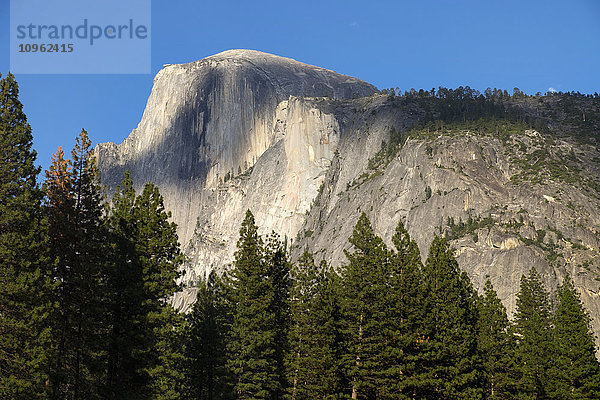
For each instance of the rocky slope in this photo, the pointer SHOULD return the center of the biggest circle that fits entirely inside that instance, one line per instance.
(302, 148)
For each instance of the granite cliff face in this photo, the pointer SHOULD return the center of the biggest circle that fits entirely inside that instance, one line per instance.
(302, 148)
(210, 119)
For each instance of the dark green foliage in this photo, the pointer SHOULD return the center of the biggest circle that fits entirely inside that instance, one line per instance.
(167, 374)
(388, 150)
(461, 229)
(124, 299)
(446, 108)
(404, 328)
(206, 335)
(496, 345)
(255, 345)
(576, 368)
(141, 278)
(363, 296)
(314, 359)
(279, 274)
(535, 350)
(449, 347)
(77, 247)
(24, 303)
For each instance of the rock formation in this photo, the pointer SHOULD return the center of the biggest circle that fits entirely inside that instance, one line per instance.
(298, 146)
(210, 118)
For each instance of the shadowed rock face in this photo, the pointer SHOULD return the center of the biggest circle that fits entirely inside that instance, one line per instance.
(244, 129)
(212, 117)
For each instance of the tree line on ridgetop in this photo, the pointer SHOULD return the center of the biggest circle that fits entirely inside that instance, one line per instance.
(85, 311)
(557, 113)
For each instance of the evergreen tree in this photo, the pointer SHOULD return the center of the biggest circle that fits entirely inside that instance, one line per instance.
(495, 344)
(74, 209)
(167, 371)
(60, 206)
(314, 359)
(159, 255)
(24, 303)
(90, 262)
(142, 277)
(400, 366)
(279, 274)
(449, 346)
(363, 297)
(253, 350)
(207, 377)
(124, 298)
(535, 349)
(578, 369)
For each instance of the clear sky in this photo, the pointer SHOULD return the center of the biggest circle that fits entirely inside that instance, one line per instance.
(530, 44)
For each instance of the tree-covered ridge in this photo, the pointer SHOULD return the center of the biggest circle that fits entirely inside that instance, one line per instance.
(561, 114)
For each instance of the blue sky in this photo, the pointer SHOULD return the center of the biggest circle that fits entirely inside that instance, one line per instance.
(533, 45)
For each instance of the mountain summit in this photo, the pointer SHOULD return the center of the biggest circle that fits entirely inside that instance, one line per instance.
(213, 118)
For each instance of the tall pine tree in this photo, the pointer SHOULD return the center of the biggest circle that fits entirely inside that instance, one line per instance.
(76, 242)
(450, 341)
(578, 375)
(535, 350)
(279, 274)
(24, 303)
(143, 361)
(60, 206)
(159, 255)
(253, 345)
(314, 359)
(363, 298)
(400, 367)
(124, 298)
(207, 377)
(495, 344)
(91, 249)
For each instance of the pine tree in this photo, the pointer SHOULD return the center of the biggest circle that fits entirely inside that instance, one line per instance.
(91, 246)
(535, 349)
(60, 206)
(207, 377)
(124, 298)
(159, 255)
(23, 285)
(578, 375)
(495, 344)
(449, 346)
(314, 359)
(142, 278)
(167, 371)
(400, 366)
(279, 274)
(362, 299)
(76, 240)
(253, 349)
